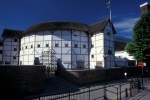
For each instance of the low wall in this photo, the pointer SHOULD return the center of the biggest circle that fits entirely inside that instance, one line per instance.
(87, 77)
(22, 79)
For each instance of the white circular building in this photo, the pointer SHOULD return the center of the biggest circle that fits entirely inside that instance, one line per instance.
(79, 46)
(50, 41)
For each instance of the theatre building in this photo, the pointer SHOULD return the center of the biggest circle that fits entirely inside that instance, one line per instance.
(79, 46)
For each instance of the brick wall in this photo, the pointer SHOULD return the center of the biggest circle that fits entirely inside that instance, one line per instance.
(22, 79)
(87, 77)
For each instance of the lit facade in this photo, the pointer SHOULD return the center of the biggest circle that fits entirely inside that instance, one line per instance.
(79, 46)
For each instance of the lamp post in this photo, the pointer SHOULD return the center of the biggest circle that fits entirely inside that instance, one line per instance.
(105, 94)
(105, 56)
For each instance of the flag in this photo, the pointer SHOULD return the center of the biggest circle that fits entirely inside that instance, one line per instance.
(108, 4)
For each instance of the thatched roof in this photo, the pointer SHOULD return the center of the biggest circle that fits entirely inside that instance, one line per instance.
(9, 33)
(58, 25)
(99, 26)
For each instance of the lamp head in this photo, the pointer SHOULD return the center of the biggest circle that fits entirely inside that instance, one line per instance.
(105, 56)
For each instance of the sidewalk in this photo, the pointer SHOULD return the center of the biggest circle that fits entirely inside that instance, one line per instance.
(143, 94)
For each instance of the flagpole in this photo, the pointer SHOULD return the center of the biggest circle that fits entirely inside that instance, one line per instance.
(110, 10)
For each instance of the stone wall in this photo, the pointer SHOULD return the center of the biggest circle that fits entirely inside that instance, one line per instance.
(87, 77)
(22, 79)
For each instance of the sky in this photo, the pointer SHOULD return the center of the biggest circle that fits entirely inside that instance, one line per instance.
(21, 14)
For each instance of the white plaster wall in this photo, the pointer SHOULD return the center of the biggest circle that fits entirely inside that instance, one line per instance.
(99, 43)
(8, 51)
(7, 43)
(66, 57)
(80, 57)
(109, 45)
(61, 37)
(83, 51)
(6, 58)
(6, 47)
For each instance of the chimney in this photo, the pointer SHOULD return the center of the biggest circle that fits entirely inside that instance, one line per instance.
(145, 7)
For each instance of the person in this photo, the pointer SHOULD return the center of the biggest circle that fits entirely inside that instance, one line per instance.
(125, 75)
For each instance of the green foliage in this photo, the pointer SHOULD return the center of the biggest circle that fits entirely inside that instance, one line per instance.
(140, 48)
(130, 48)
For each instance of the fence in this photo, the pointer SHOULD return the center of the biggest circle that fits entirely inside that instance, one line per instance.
(100, 92)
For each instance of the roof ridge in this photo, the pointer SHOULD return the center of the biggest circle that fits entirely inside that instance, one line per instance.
(13, 29)
(99, 21)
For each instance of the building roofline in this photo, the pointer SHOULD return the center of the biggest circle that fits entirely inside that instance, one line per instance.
(146, 3)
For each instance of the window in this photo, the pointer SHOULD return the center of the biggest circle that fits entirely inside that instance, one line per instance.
(108, 33)
(75, 45)
(109, 52)
(47, 45)
(15, 40)
(14, 57)
(38, 45)
(26, 47)
(92, 46)
(56, 45)
(66, 45)
(15, 49)
(31, 46)
(84, 46)
(92, 56)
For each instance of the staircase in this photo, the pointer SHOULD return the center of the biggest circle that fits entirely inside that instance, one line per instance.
(55, 85)
(58, 85)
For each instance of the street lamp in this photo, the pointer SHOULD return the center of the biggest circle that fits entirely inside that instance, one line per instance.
(105, 56)
(105, 94)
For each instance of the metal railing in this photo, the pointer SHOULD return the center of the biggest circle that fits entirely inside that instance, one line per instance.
(99, 92)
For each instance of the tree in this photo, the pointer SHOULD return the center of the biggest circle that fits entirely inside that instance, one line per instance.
(130, 48)
(140, 48)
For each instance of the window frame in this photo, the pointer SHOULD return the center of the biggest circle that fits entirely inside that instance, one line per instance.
(15, 40)
(56, 45)
(15, 49)
(66, 44)
(76, 45)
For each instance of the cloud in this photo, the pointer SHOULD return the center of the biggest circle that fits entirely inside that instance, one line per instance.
(125, 24)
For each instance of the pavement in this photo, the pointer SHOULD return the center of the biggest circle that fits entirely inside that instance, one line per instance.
(142, 94)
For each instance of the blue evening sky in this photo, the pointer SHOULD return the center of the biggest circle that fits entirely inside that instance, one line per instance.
(21, 14)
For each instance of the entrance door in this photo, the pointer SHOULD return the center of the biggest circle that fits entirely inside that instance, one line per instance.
(80, 64)
(20, 62)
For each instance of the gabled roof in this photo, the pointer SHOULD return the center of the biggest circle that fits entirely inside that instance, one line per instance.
(99, 26)
(9, 33)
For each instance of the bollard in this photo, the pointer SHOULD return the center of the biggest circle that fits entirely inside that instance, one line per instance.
(105, 95)
(130, 89)
(142, 84)
(132, 83)
(126, 92)
(89, 93)
(39, 96)
(139, 85)
(117, 93)
(120, 91)
(69, 94)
